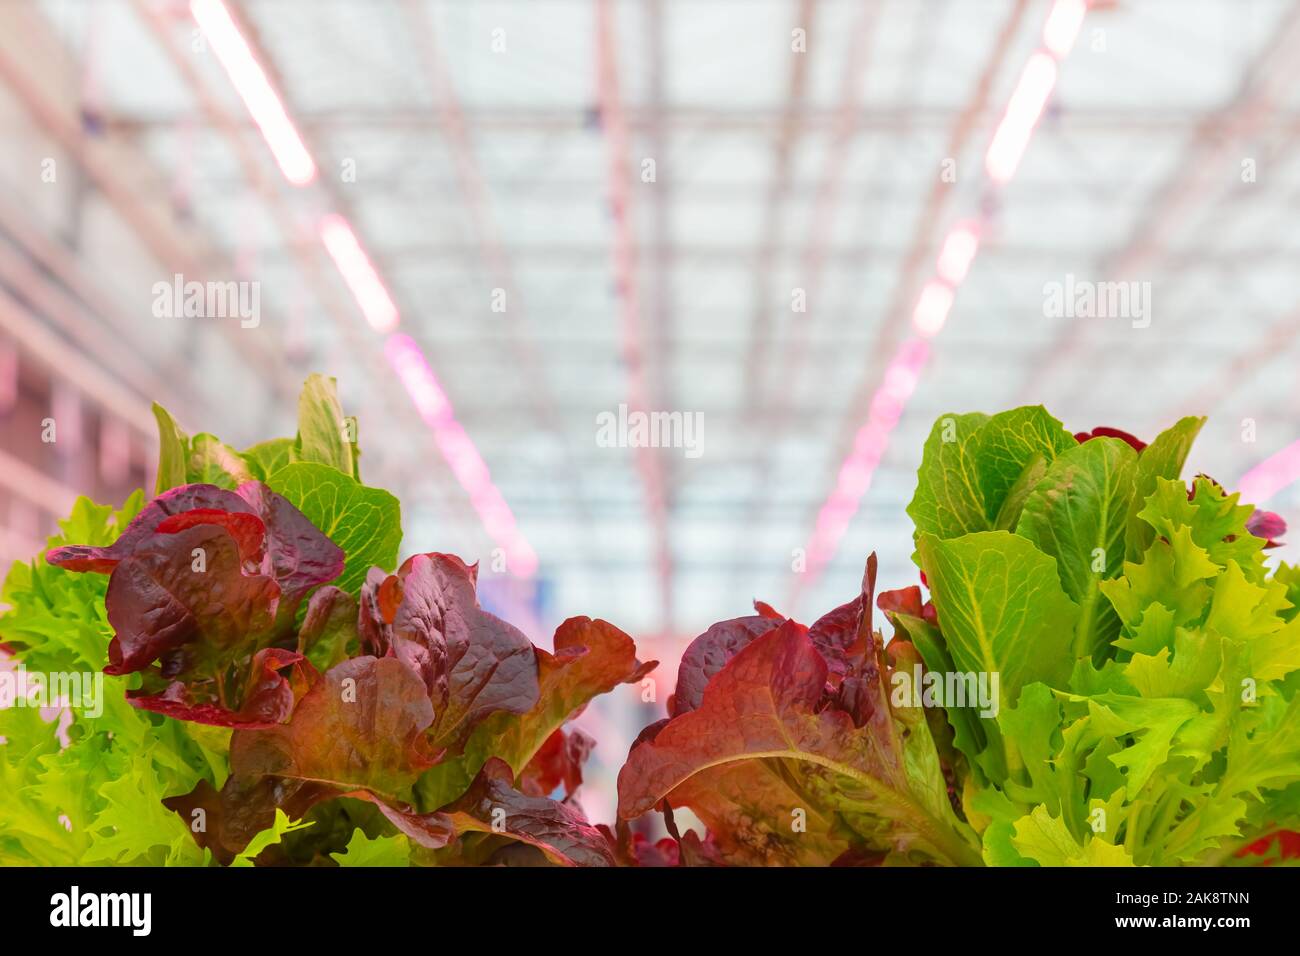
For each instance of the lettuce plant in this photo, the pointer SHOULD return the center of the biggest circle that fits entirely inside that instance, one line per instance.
(1142, 661)
(277, 690)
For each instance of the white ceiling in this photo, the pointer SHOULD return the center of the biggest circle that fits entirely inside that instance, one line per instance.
(1142, 144)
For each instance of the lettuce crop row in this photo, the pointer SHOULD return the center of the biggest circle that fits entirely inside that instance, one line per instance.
(1104, 672)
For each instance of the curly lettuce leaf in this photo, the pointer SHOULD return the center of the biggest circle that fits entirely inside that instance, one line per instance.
(378, 851)
(1181, 749)
(1046, 840)
(134, 827)
(1163, 458)
(273, 835)
(56, 620)
(80, 785)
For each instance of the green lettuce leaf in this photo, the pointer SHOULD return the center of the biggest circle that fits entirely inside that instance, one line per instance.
(1046, 840)
(266, 458)
(949, 500)
(271, 836)
(365, 522)
(380, 851)
(325, 435)
(173, 451)
(1001, 609)
(1185, 746)
(1078, 514)
(1163, 458)
(975, 469)
(203, 459)
(1009, 442)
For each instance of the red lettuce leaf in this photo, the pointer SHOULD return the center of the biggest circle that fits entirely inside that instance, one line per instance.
(907, 601)
(301, 556)
(1103, 431)
(859, 856)
(747, 805)
(184, 600)
(557, 764)
(710, 652)
(358, 732)
(901, 601)
(636, 849)
(844, 638)
(472, 663)
(490, 816)
(696, 851)
(1285, 843)
(493, 808)
(269, 530)
(591, 658)
(328, 635)
(361, 726)
(870, 772)
(201, 583)
(762, 703)
(208, 499)
(248, 530)
(372, 630)
(268, 696)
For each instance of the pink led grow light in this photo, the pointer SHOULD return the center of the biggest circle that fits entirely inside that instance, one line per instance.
(1062, 27)
(1023, 113)
(250, 81)
(367, 287)
(900, 380)
(932, 308)
(359, 273)
(957, 254)
(1271, 475)
(413, 370)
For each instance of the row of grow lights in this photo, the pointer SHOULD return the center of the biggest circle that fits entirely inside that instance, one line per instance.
(956, 256)
(364, 282)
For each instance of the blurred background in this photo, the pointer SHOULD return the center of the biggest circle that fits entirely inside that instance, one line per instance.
(807, 228)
